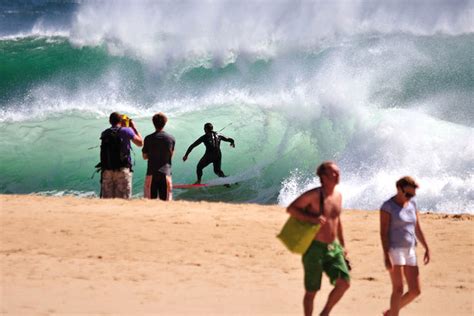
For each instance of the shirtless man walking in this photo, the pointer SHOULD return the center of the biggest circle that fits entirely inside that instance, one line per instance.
(325, 253)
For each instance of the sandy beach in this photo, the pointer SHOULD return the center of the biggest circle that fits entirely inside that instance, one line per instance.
(66, 255)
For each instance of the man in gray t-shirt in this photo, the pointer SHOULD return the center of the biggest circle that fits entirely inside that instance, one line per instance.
(158, 150)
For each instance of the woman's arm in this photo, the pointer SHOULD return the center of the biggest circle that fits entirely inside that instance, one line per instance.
(385, 237)
(421, 237)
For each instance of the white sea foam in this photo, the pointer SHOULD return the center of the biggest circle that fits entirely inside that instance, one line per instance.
(163, 32)
(60, 193)
(39, 30)
(399, 143)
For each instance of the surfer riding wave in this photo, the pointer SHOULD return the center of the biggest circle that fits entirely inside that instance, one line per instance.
(212, 141)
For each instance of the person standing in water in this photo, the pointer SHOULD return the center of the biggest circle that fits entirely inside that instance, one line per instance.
(399, 230)
(212, 141)
(327, 252)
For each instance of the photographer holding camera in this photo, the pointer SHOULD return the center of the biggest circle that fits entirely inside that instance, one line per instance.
(115, 160)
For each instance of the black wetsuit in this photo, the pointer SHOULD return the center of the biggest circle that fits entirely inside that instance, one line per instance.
(213, 154)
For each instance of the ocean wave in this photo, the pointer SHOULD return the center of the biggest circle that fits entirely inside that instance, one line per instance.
(170, 31)
(51, 36)
(431, 74)
(381, 100)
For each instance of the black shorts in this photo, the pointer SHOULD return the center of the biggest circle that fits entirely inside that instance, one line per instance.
(158, 185)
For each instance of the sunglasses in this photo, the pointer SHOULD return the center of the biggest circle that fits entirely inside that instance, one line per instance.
(408, 195)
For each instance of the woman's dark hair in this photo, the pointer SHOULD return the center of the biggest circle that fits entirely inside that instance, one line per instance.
(407, 181)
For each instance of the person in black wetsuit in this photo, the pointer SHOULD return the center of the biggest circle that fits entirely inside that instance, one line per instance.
(213, 154)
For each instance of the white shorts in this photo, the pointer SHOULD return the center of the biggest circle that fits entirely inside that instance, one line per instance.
(403, 256)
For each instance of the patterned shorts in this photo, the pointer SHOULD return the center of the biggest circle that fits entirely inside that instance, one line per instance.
(117, 184)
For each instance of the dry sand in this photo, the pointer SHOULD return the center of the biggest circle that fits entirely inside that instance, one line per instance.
(88, 256)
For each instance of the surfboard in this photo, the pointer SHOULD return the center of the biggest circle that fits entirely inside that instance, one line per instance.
(189, 186)
(202, 185)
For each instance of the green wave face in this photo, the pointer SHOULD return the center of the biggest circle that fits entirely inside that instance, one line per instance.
(32, 62)
(59, 154)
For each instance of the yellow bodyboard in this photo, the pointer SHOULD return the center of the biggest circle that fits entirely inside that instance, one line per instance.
(297, 235)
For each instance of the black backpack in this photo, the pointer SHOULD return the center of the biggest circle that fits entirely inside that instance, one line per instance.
(111, 155)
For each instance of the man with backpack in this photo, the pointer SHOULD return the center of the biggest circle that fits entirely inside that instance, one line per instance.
(115, 160)
(213, 154)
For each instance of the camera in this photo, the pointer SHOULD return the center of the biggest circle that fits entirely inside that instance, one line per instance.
(125, 121)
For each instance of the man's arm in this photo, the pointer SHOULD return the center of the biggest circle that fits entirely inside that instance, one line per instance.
(137, 139)
(171, 147)
(421, 237)
(297, 208)
(228, 139)
(340, 235)
(145, 149)
(190, 148)
(384, 236)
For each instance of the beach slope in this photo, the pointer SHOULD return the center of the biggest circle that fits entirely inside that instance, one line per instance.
(66, 255)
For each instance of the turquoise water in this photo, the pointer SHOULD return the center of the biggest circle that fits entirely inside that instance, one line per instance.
(382, 104)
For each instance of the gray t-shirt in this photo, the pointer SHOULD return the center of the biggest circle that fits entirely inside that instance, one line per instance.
(402, 223)
(159, 147)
